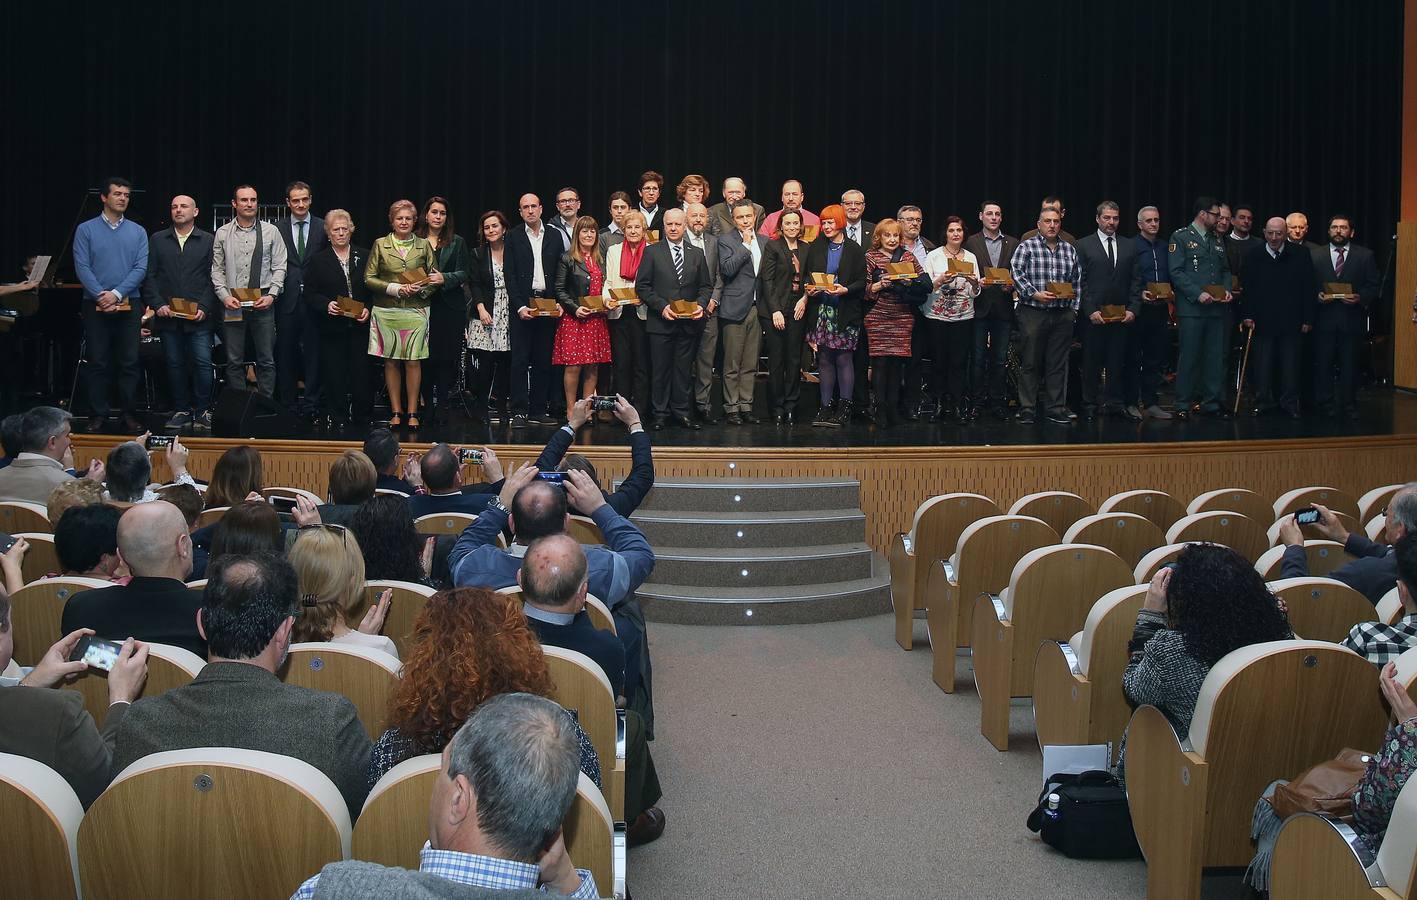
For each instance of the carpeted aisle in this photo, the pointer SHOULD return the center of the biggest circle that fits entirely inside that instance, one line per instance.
(822, 761)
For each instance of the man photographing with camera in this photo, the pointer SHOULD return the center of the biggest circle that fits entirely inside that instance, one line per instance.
(627, 498)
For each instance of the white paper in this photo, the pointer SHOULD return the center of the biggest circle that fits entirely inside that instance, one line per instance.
(1073, 759)
(41, 268)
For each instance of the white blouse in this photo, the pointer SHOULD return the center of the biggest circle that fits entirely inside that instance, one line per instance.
(953, 301)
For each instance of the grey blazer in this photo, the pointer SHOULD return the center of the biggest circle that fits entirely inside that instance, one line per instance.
(31, 480)
(51, 726)
(711, 257)
(232, 704)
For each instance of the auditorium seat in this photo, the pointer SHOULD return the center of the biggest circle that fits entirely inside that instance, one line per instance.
(1060, 509)
(408, 601)
(1245, 502)
(41, 813)
(1048, 598)
(1158, 506)
(1310, 532)
(1245, 536)
(389, 492)
(1323, 557)
(1128, 535)
(211, 516)
(198, 587)
(933, 534)
(36, 612)
(443, 523)
(1318, 856)
(1407, 672)
(1375, 528)
(599, 613)
(368, 677)
(17, 517)
(584, 530)
(1322, 609)
(168, 667)
(981, 564)
(1154, 560)
(40, 559)
(581, 685)
(270, 492)
(1374, 502)
(1265, 711)
(1077, 683)
(212, 822)
(393, 824)
(1389, 608)
(1329, 497)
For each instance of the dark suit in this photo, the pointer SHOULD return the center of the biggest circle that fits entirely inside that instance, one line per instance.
(1340, 328)
(297, 341)
(156, 610)
(531, 339)
(472, 499)
(784, 347)
(867, 229)
(672, 343)
(583, 637)
(993, 326)
(1372, 572)
(51, 726)
(234, 704)
(1281, 297)
(1106, 282)
(184, 270)
(344, 343)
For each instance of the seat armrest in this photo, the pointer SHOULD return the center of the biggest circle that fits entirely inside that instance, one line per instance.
(619, 861)
(1071, 657)
(907, 542)
(620, 734)
(999, 611)
(949, 571)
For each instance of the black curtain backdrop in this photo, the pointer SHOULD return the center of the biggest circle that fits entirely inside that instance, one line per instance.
(1283, 105)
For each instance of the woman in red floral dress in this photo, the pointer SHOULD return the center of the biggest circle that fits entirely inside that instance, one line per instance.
(582, 338)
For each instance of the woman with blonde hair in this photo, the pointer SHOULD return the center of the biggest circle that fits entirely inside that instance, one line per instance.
(629, 344)
(330, 567)
(582, 338)
(399, 334)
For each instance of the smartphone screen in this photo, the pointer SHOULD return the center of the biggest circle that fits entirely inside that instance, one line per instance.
(1306, 516)
(553, 477)
(159, 441)
(97, 652)
(283, 504)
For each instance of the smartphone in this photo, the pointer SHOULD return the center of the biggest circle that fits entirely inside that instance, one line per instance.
(553, 477)
(1306, 516)
(159, 441)
(470, 455)
(6, 542)
(97, 652)
(283, 504)
(599, 403)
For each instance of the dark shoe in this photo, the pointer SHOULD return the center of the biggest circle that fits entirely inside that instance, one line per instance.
(96, 424)
(707, 417)
(791, 417)
(1181, 415)
(779, 418)
(203, 422)
(1000, 412)
(687, 423)
(178, 421)
(131, 425)
(1156, 412)
(1058, 418)
(647, 827)
(732, 419)
(1294, 414)
(911, 414)
(940, 414)
(750, 419)
(843, 415)
(520, 420)
(826, 418)
(1025, 417)
(659, 423)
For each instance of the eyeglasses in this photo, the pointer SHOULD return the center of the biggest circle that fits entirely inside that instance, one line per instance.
(1213, 212)
(340, 530)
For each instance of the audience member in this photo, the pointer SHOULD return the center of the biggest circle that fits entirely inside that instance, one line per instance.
(1378, 641)
(52, 726)
(155, 605)
(468, 645)
(252, 526)
(44, 457)
(330, 568)
(554, 589)
(393, 550)
(441, 472)
(69, 494)
(1388, 771)
(129, 469)
(12, 563)
(1212, 601)
(626, 498)
(382, 448)
(506, 782)
(188, 501)
(247, 614)
(11, 437)
(352, 482)
(1373, 570)
(86, 543)
(235, 477)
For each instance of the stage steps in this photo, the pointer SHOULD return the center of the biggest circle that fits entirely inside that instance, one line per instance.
(766, 551)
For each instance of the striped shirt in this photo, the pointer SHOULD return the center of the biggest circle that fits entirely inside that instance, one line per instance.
(1034, 266)
(477, 871)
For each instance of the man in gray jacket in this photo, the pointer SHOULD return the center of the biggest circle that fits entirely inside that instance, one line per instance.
(247, 613)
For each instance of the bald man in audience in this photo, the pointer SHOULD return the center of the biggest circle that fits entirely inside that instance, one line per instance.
(554, 588)
(156, 605)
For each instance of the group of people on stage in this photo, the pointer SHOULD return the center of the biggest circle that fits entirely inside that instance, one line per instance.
(649, 300)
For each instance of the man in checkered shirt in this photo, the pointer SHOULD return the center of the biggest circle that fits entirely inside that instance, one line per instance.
(1379, 641)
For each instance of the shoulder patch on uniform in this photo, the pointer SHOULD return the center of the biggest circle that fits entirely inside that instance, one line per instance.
(1172, 248)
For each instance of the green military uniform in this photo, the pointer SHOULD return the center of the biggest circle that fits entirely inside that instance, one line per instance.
(1196, 259)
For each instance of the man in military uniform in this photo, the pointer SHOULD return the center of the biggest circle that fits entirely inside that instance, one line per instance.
(1197, 260)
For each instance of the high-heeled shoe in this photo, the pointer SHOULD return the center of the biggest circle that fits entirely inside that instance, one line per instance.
(413, 423)
(396, 420)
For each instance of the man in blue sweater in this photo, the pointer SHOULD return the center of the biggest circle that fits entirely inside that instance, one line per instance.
(111, 259)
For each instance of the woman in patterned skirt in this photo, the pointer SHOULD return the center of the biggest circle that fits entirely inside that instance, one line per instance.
(487, 334)
(892, 318)
(582, 338)
(835, 312)
(400, 331)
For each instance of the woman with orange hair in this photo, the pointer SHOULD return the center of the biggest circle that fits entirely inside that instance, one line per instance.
(835, 312)
(469, 644)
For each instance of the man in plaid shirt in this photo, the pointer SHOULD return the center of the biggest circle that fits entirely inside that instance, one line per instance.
(1379, 641)
(1045, 320)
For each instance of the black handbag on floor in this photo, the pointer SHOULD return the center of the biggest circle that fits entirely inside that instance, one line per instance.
(1086, 817)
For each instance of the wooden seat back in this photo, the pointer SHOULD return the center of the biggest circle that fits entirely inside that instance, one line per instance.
(1245, 502)
(1128, 535)
(1374, 502)
(368, 677)
(270, 492)
(211, 516)
(1322, 609)
(41, 813)
(156, 831)
(1153, 560)
(580, 684)
(1310, 532)
(37, 611)
(1390, 608)
(408, 601)
(1330, 497)
(168, 667)
(933, 534)
(1375, 528)
(443, 523)
(19, 517)
(390, 492)
(1245, 536)
(1315, 856)
(1060, 509)
(1407, 671)
(1158, 506)
(584, 530)
(41, 559)
(1322, 558)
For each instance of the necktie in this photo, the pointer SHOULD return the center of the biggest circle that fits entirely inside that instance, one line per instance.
(856, 233)
(300, 240)
(1338, 267)
(1111, 254)
(678, 260)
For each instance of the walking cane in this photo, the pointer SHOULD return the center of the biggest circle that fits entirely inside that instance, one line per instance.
(1244, 360)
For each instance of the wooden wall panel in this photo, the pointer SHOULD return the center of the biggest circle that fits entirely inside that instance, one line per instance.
(1404, 336)
(895, 480)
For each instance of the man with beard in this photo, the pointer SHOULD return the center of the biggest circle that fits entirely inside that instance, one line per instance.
(1342, 321)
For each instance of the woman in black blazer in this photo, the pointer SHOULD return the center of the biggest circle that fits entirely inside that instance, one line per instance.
(834, 315)
(447, 324)
(491, 271)
(582, 337)
(337, 270)
(782, 307)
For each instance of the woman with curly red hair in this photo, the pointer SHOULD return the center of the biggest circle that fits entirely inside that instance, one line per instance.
(469, 644)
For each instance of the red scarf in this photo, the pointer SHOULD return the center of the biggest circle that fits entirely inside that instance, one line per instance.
(630, 257)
